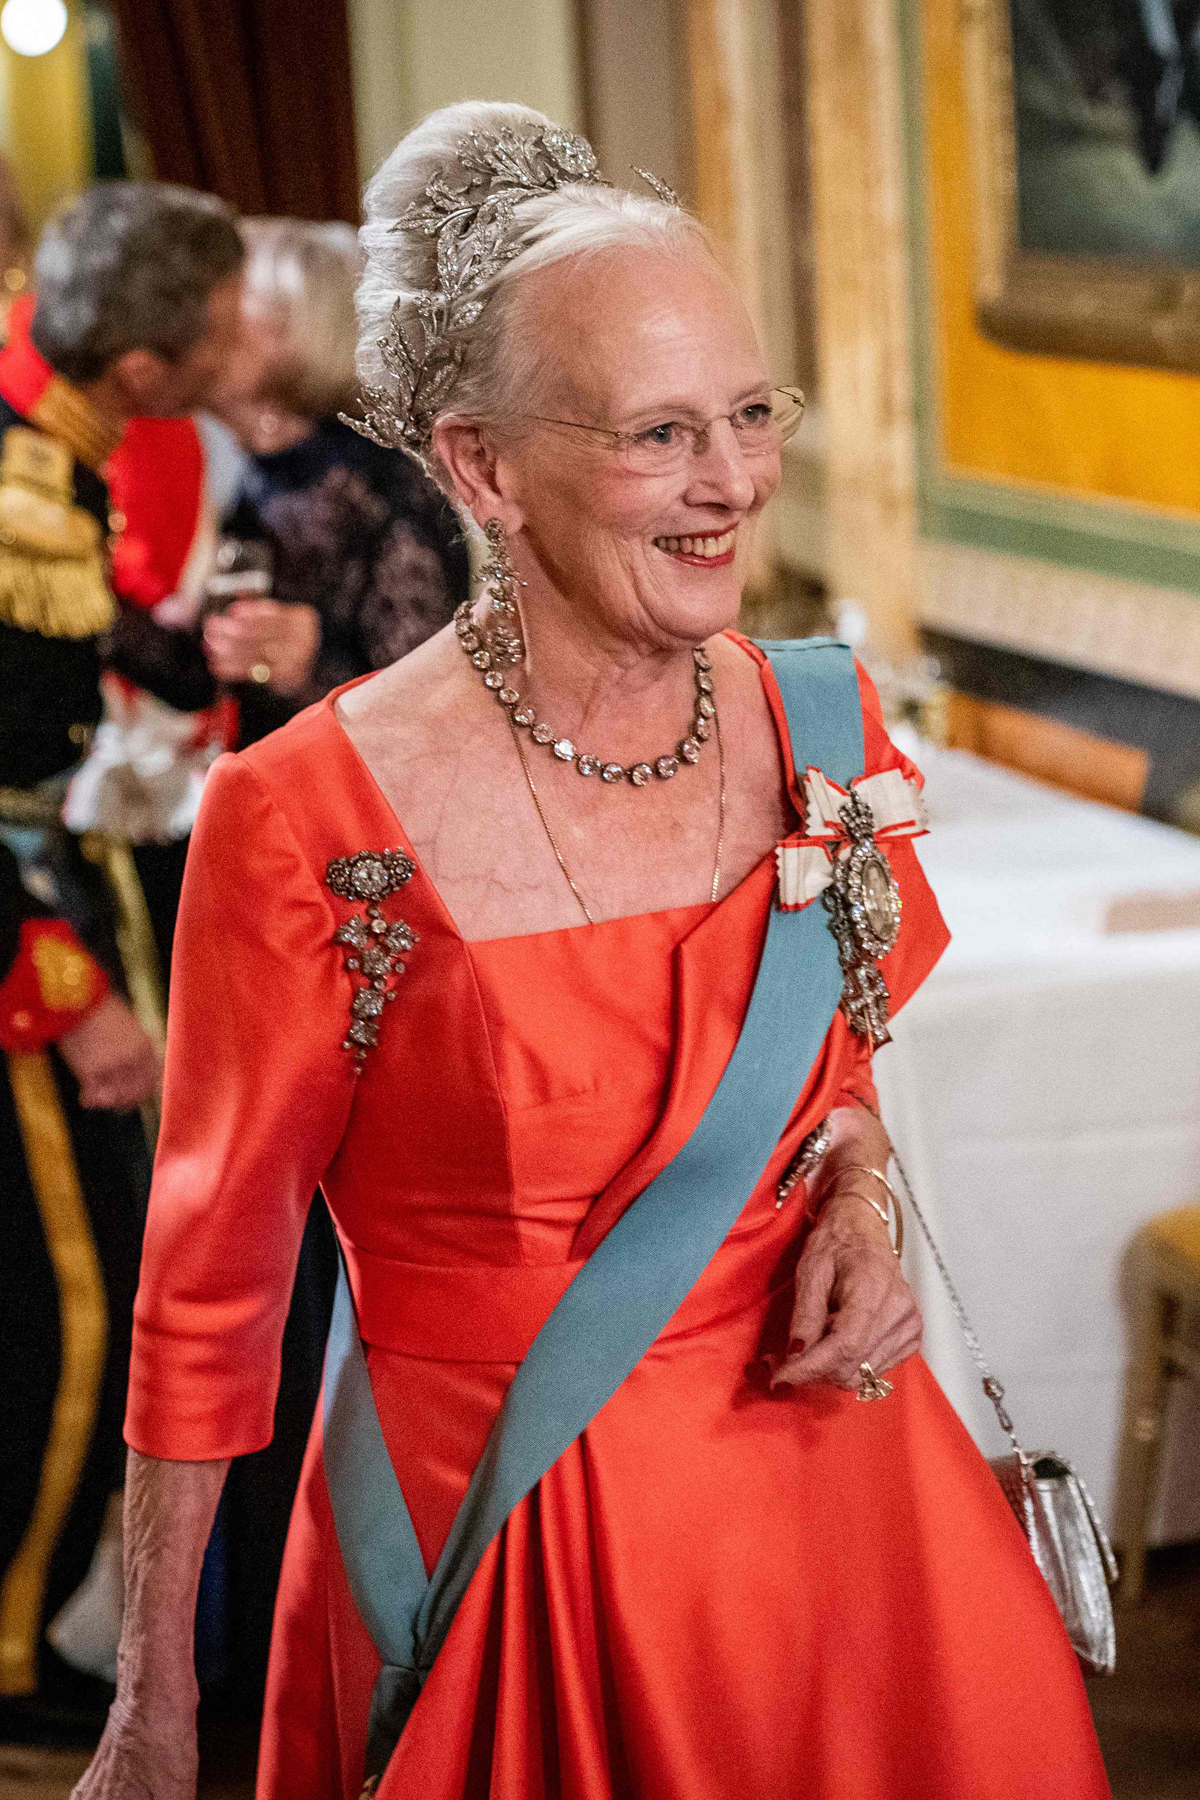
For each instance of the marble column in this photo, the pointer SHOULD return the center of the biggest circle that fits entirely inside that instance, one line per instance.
(863, 332)
(739, 172)
(728, 191)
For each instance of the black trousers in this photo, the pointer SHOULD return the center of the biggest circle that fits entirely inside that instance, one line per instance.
(111, 1163)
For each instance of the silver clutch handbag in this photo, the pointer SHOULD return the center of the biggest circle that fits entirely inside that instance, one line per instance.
(1052, 1507)
(1070, 1547)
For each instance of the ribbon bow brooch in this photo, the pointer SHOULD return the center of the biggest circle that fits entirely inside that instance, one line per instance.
(839, 858)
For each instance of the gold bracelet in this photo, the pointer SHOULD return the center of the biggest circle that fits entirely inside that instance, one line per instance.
(880, 1211)
(865, 1169)
(893, 1196)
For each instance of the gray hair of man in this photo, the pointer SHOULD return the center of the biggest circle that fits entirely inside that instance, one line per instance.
(130, 265)
(300, 280)
(504, 366)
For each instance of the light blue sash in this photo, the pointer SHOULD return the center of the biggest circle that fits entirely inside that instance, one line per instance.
(630, 1286)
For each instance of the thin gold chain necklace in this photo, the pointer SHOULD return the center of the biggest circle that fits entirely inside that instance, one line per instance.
(558, 855)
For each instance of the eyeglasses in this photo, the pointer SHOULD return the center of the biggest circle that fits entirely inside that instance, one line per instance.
(760, 427)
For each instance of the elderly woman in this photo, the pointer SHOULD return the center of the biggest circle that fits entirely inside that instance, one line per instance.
(518, 948)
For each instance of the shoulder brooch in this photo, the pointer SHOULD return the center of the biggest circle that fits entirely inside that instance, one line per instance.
(376, 945)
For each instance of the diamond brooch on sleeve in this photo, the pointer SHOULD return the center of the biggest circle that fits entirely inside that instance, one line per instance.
(376, 945)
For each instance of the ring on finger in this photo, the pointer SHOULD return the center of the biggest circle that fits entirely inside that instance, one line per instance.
(897, 1347)
(871, 1386)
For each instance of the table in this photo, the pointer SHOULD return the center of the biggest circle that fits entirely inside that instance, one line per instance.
(1043, 1090)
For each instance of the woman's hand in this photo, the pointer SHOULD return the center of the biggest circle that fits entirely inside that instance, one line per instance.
(852, 1303)
(263, 640)
(143, 1756)
(148, 1751)
(114, 1061)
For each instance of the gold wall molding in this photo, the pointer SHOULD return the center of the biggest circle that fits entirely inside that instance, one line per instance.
(739, 157)
(1126, 629)
(864, 351)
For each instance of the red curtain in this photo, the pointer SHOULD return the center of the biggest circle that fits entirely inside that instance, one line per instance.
(249, 99)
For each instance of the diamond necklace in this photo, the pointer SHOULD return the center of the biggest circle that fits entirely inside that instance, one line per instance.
(492, 653)
(558, 855)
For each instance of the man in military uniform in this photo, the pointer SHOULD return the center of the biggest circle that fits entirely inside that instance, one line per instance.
(138, 302)
(138, 305)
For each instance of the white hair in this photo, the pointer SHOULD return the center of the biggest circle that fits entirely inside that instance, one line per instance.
(503, 369)
(303, 275)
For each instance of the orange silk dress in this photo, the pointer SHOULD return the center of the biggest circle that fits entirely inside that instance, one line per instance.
(714, 1591)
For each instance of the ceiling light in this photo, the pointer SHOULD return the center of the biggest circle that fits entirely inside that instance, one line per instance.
(32, 27)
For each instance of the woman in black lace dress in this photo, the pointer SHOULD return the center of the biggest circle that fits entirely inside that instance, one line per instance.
(367, 559)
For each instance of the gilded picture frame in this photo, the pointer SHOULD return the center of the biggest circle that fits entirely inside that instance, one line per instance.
(1118, 308)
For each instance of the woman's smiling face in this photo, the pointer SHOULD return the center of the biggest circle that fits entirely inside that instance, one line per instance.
(634, 341)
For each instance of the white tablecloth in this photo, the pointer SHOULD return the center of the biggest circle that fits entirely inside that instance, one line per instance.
(1044, 1091)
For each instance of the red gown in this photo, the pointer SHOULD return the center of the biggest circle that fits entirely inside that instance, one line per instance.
(714, 1591)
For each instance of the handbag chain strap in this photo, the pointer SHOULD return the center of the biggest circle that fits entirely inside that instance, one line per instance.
(991, 1386)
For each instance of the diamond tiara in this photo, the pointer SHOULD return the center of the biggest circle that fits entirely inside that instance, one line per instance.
(468, 208)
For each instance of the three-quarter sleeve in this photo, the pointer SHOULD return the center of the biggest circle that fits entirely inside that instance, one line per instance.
(255, 1102)
(858, 1083)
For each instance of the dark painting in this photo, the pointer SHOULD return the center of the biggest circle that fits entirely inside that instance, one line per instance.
(1108, 128)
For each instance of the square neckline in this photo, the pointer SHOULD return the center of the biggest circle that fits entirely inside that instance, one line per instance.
(706, 907)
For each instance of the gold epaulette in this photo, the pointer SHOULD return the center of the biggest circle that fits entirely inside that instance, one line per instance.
(52, 575)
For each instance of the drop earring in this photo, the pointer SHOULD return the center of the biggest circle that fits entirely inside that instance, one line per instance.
(505, 642)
